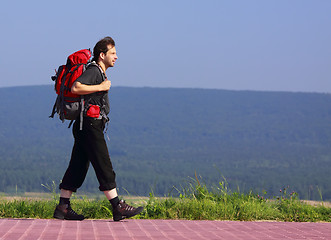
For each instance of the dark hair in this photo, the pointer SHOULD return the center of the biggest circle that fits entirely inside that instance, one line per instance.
(102, 46)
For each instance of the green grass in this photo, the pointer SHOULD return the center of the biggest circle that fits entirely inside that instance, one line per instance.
(196, 202)
(199, 203)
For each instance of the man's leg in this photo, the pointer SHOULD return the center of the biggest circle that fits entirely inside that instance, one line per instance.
(73, 178)
(65, 196)
(65, 193)
(97, 151)
(111, 194)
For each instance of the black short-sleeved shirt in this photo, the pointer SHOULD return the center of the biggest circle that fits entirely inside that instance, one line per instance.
(93, 76)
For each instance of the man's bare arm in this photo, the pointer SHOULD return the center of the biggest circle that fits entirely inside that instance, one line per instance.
(82, 89)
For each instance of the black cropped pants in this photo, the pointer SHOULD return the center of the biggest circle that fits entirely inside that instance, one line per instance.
(89, 146)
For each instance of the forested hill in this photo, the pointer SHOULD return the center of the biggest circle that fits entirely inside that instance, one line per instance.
(160, 137)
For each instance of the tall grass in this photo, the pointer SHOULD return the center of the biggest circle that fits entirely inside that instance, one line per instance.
(195, 202)
(199, 203)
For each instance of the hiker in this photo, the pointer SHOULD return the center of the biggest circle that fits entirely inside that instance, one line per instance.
(90, 144)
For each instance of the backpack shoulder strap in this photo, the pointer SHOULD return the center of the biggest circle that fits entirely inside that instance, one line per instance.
(104, 77)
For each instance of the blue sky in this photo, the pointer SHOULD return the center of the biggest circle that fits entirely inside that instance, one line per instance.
(263, 45)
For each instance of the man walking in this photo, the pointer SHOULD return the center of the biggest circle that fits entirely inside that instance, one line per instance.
(90, 144)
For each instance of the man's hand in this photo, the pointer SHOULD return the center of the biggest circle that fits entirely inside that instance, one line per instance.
(105, 85)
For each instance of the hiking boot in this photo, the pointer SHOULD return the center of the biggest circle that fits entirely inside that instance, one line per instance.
(124, 210)
(65, 212)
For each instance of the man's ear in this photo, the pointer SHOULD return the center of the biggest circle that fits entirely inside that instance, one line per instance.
(102, 55)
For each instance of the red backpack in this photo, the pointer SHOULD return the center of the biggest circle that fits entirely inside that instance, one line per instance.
(68, 105)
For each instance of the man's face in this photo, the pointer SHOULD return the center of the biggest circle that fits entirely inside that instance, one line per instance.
(110, 57)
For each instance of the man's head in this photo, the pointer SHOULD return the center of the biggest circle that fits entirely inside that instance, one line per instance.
(104, 52)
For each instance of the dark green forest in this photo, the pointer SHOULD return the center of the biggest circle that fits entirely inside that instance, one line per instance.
(159, 138)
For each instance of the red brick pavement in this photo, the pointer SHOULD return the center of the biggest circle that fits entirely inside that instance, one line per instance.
(34, 229)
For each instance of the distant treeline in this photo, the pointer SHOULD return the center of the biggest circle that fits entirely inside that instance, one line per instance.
(159, 138)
